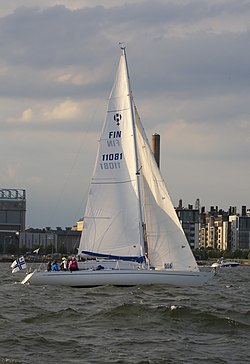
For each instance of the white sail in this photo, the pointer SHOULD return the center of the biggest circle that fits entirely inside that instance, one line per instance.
(111, 220)
(167, 243)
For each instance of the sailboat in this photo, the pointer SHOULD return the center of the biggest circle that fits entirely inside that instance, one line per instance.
(131, 229)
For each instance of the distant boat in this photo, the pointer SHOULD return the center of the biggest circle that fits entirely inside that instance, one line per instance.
(225, 263)
(130, 223)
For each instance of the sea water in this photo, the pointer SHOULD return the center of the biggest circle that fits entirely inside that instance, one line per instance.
(153, 324)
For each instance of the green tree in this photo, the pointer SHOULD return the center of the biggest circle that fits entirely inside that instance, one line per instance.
(62, 249)
(23, 249)
(48, 249)
(11, 248)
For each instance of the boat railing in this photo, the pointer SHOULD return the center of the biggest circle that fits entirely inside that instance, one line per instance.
(41, 267)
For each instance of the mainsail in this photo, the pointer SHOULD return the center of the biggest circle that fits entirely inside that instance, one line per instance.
(112, 219)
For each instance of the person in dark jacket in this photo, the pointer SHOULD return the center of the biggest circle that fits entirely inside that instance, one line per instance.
(49, 266)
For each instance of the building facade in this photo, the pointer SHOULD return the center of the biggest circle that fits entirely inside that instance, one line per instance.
(50, 241)
(12, 216)
(239, 232)
(213, 229)
(189, 219)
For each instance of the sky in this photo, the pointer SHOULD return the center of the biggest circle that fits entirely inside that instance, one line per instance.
(190, 75)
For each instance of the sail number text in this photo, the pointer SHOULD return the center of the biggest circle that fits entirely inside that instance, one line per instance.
(111, 161)
(111, 157)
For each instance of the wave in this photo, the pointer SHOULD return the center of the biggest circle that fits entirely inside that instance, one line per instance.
(9, 361)
(169, 311)
(46, 317)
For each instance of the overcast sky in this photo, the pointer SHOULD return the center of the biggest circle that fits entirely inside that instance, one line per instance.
(189, 64)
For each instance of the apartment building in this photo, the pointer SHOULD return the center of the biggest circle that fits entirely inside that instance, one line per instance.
(240, 231)
(213, 229)
(189, 218)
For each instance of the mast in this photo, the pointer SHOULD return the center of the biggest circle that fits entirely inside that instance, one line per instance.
(141, 220)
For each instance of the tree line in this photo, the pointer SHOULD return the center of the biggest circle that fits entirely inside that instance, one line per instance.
(210, 253)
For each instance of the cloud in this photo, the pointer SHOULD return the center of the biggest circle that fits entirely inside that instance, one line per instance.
(189, 69)
(11, 171)
(27, 115)
(67, 109)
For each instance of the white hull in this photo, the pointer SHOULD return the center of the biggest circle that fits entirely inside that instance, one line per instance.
(129, 277)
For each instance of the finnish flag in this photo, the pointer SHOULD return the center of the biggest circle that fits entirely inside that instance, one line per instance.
(18, 265)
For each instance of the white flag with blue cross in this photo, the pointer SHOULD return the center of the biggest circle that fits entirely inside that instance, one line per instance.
(18, 265)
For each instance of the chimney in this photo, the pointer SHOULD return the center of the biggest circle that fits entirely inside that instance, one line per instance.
(156, 148)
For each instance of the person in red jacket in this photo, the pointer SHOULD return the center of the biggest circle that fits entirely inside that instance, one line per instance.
(73, 265)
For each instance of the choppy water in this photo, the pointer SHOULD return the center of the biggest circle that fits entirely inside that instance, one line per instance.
(155, 325)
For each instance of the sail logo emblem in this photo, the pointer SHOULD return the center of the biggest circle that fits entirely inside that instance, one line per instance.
(117, 118)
